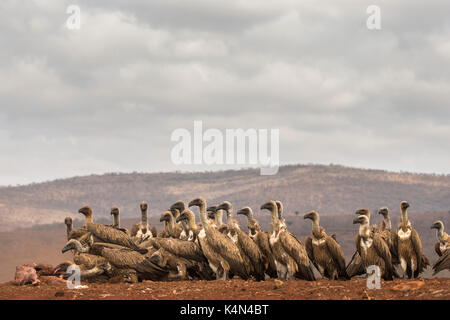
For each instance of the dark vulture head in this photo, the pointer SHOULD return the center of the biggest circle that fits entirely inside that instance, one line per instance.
(68, 221)
(226, 205)
(211, 211)
(439, 225)
(143, 206)
(178, 205)
(197, 202)
(166, 216)
(186, 215)
(246, 211)
(404, 205)
(115, 211)
(86, 211)
(384, 212)
(270, 205)
(363, 212)
(362, 219)
(312, 215)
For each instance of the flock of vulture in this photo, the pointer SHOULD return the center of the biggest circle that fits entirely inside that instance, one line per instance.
(212, 249)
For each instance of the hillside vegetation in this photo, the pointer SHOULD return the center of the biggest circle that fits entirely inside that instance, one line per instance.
(328, 189)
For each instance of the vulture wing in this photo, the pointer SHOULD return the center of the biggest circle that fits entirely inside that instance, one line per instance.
(442, 263)
(337, 255)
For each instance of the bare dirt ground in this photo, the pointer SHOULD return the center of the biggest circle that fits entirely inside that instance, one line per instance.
(54, 289)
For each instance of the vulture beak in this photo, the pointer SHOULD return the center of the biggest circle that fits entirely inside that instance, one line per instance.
(192, 203)
(265, 206)
(179, 218)
(220, 207)
(307, 216)
(435, 226)
(163, 219)
(357, 220)
(242, 211)
(69, 246)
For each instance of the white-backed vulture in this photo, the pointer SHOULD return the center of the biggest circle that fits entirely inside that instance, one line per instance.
(115, 212)
(261, 239)
(443, 244)
(372, 248)
(442, 248)
(173, 229)
(289, 253)
(323, 250)
(221, 252)
(387, 235)
(409, 246)
(215, 218)
(356, 267)
(253, 257)
(141, 230)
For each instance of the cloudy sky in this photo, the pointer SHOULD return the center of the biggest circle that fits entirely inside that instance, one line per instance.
(107, 97)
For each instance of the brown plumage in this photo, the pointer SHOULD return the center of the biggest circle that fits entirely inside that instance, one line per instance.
(289, 253)
(173, 229)
(253, 257)
(324, 252)
(111, 235)
(261, 239)
(115, 212)
(141, 230)
(442, 248)
(221, 252)
(409, 246)
(372, 249)
(356, 267)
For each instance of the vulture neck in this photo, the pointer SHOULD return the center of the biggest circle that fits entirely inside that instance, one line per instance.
(88, 218)
(440, 233)
(316, 224)
(364, 230)
(218, 218)
(191, 223)
(116, 221)
(274, 213)
(69, 228)
(387, 223)
(404, 217)
(144, 220)
(202, 212)
(171, 224)
(250, 218)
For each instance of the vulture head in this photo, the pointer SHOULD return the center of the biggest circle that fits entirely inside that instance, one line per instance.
(384, 212)
(246, 211)
(362, 219)
(439, 225)
(404, 205)
(61, 268)
(211, 211)
(115, 211)
(197, 202)
(86, 211)
(68, 221)
(270, 205)
(179, 205)
(143, 206)
(363, 212)
(74, 244)
(186, 215)
(312, 215)
(226, 205)
(166, 216)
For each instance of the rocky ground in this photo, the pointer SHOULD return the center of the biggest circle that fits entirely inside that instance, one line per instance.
(54, 288)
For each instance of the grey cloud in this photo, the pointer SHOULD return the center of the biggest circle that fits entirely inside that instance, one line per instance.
(107, 97)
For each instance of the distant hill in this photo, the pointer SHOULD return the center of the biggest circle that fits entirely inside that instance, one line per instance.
(328, 189)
